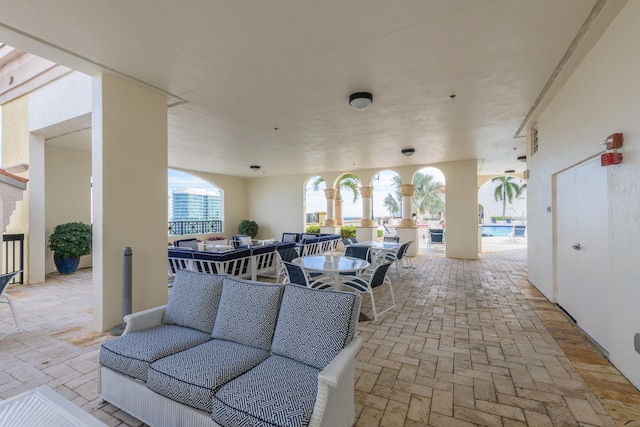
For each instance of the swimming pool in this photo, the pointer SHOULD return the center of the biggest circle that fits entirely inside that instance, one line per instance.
(497, 230)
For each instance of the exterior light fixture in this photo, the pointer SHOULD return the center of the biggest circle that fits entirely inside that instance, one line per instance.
(360, 100)
(254, 168)
(408, 152)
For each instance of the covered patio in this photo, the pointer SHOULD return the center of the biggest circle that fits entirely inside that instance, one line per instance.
(471, 343)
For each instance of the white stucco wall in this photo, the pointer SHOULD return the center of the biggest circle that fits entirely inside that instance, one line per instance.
(61, 100)
(602, 97)
(277, 204)
(68, 193)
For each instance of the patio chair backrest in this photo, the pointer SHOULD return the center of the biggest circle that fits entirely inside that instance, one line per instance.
(5, 279)
(436, 235)
(296, 274)
(402, 250)
(288, 254)
(241, 240)
(187, 244)
(361, 252)
(290, 237)
(379, 275)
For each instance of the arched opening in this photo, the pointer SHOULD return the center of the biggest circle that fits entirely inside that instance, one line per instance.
(195, 206)
(429, 197)
(315, 202)
(386, 203)
(504, 203)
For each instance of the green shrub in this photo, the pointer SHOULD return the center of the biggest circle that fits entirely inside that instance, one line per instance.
(313, 229)
(248, 227)
(380, 234)
(348, 231)
(71, 240)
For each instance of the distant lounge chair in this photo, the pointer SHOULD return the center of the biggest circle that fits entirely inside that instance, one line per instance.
(436, 236)
(519, 231)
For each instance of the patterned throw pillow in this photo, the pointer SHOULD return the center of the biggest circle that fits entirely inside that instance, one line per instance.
(315, 325)
(193, 301)
(248, 312)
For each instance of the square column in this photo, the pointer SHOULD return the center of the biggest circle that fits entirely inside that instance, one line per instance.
(129, 167)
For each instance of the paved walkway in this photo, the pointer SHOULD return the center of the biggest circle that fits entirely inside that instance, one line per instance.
(471, 343)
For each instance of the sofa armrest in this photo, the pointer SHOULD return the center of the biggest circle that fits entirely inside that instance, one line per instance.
(335, 400)
(143, 319)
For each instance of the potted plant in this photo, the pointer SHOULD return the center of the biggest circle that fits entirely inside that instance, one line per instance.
(248, 227)
(69, 242)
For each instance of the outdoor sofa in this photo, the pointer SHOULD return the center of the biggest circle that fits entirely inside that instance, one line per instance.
(230, 351)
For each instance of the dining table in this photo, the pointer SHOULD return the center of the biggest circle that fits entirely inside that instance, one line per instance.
(379, 249)
(331, 265)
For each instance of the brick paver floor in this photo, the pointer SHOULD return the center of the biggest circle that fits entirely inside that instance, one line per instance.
(470, 343)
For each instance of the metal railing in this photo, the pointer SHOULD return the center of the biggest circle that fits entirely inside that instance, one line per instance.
(13, 255)
(178, 228)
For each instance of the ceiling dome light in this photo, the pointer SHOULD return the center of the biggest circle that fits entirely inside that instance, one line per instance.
(408, 152)
(360, 100)
(254, 168)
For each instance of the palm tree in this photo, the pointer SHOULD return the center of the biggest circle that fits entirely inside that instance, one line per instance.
(425, 196)
(507, 189)
(348, 181)
(393, 202)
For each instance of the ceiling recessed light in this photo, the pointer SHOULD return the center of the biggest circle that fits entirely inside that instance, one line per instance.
(254, 168)
(510, 171)
(408, 152)
(360, 100)
(522, 159)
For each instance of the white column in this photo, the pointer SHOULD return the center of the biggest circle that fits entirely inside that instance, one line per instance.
(330, 194)
(407, 192)
(366, 193)
(129, 167)
(38, 240)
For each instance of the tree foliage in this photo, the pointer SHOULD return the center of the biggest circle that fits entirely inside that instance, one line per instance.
(347, 182)
(426, 196)
(508, 188)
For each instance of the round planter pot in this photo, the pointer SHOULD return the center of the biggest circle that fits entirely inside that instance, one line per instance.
(66, 265)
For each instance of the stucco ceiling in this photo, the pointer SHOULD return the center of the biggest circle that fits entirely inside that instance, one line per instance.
(267, 82)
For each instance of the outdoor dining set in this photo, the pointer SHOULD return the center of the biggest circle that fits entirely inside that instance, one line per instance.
(311, 260)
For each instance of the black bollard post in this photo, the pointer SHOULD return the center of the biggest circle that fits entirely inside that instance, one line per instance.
(127, 273)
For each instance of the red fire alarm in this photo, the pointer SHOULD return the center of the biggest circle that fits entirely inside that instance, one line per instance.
(610, 159)
(614, 141)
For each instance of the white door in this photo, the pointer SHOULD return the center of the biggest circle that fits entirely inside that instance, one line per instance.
(582, 238)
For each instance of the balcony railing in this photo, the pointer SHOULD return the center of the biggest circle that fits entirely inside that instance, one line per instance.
(13, 255)
(178, 228)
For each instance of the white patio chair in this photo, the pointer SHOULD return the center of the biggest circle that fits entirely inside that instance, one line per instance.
(4, 297)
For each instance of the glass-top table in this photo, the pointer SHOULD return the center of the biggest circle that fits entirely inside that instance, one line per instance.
(332, 265)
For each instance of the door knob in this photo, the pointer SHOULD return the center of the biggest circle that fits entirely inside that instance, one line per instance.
(576, 246)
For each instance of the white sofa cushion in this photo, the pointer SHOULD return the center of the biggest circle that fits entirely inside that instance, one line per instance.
(131, 354)
(193, 301)
(194, 375)
(315, 325)
(248, 312)
(277, 392)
